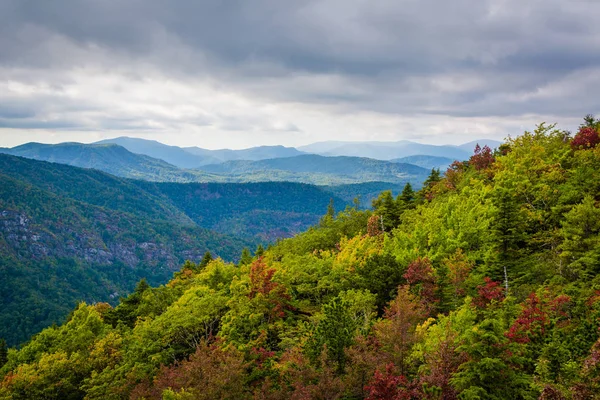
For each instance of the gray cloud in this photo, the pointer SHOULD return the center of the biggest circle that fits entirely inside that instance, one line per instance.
(409, 58)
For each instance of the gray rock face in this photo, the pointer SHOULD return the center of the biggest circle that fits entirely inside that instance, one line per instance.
(25, 239)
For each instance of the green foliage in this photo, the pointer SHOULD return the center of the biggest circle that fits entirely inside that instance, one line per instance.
(334, 332)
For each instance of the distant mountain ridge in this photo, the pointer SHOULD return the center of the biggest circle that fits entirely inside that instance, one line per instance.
(394, 150)
(180, 156)
(193, 157)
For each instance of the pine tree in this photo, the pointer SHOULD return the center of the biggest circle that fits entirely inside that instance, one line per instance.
(3, 353)
(246, 257)
(331, 209)
(205, 260)
(335, 331)
(433, 178)
(405, 200)
(408, 194)
(260, 250)
(386, 208)
(508, 233)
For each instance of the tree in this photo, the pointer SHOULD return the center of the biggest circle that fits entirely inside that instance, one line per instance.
(335, 332)
(482, 158)
(246, 257)
(3, 352)
(493, 370)
(426, 192)
(433, 178)
(260, 251)
(386, 209)
(405, 200)
(205, 260)
(580, 232)
(586, 138)
(508, 232)
(331, 209)
(127, 311)
(397, 331)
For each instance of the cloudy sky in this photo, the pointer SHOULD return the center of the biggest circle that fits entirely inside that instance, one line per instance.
(239, 73)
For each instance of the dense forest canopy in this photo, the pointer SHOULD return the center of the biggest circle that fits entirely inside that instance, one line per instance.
(481, 285)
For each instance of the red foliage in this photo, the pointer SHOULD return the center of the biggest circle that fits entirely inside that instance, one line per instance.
(389, 386)
(488, 292)
(260, 355)
(453, 174)
(210, 373)
(261, 278)
(261, 282)
(586, 138)
(482, 158)
(441, 364)
(374, 226)
(420, 275)
(536, 316)
(532, 321)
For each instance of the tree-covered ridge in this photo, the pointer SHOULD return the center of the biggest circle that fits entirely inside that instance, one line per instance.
(482, 285)
(56, 251)
(69, 234)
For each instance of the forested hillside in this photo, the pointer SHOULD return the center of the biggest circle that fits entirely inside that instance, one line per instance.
(317, 169)
(69, 234)
(482, 285)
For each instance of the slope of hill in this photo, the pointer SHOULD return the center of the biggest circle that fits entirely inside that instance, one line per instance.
(56, 251)
(264, 210)
(171, 154)
(366, 191)
(356, 168)
(111, 158)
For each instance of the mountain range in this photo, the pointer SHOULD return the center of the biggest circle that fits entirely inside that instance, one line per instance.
(338, 163)
(305, 168)
(193, 157)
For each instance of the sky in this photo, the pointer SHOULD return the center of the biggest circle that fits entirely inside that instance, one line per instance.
(240, 73)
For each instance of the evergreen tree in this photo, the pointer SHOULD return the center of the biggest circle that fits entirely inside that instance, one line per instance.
(433, 178)
(127, 311)
(246, 257)
(408, 194)
(405, 200)
(507, 232)
(3, 352)
(260, 250)
(385, 207)
(205, 260)
(493, 369)
(335, 331)
(331, 209)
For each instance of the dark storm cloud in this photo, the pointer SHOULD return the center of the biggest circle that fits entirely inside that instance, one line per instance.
(456, 58)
